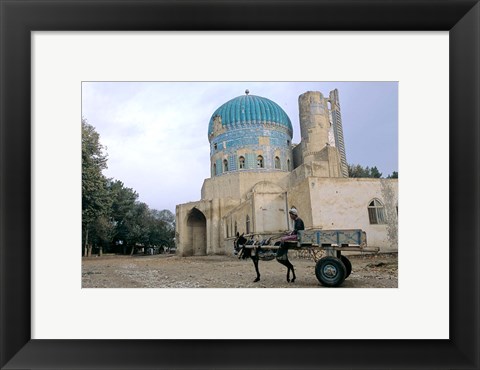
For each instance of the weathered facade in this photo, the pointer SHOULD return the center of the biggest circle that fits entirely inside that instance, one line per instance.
(257, 174)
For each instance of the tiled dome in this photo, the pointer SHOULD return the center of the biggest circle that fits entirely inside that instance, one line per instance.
(251, 110)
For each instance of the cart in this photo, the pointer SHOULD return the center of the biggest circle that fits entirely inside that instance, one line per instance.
(325, 248)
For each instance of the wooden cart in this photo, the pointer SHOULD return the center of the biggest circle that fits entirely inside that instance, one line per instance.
(325, 248)
(333, 268)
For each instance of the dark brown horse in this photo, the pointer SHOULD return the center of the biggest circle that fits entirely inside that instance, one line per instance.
(256, 253)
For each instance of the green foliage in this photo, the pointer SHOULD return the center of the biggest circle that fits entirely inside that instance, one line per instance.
(162, 228)
(365, 172)
(123, 202)
(136, 223)
(96, 200)
(375, 173)
(102, 232)
(111, 213)
(357, 171)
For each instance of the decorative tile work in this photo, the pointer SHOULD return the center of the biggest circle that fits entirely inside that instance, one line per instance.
(267, 139)
(219, 164)
(250, 161)
(232, 163)
(250, 125)
(251, 110)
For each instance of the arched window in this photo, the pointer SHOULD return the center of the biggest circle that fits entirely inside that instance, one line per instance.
(376, 212)
(288, 165)
(247, 224)
(260, 161)
(214, 169)
(241, 162)
(236, 228)
(225, 165)
(277, 163)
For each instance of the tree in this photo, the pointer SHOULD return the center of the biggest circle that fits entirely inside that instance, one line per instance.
(375, 173)
(96, 199)
(166, 216)
(162, 228)
(123, 202)
(394, 175)
(111, 213)
(357, 171)
(103, 232)
(137, 222)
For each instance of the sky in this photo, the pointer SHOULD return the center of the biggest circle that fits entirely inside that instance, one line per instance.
(155, 133)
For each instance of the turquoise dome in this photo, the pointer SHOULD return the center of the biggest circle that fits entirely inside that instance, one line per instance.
(251, 110)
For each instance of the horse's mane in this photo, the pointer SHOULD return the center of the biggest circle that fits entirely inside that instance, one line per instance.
(239, 240)
(239, 246)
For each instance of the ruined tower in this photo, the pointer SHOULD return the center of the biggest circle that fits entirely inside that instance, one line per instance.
(320, 147)
(336, 119)
(314, 124)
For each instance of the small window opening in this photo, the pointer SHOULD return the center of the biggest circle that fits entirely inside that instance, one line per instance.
(241, 162)
(376, 212)
(260, 161)
(277, 163)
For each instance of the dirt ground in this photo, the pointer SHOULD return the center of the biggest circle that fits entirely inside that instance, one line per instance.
(170, 271)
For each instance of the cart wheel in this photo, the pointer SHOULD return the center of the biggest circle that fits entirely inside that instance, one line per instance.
(330, 271)
(348, 265)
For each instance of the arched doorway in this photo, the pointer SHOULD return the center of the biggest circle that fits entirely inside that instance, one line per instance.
(197, 233)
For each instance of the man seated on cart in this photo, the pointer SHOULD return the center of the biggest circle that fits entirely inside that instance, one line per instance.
(292, 235)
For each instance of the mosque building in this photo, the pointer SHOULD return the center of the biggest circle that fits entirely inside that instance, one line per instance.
(258, 174)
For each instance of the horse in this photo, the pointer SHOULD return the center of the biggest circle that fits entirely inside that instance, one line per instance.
(256, 253)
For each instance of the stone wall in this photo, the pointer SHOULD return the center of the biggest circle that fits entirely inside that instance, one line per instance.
(343, 204)
(299, 197)
(189, 230)
(325, 203)
(297, 155)
(237, 184)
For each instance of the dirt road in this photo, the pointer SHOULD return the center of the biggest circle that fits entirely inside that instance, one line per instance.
(170, 271)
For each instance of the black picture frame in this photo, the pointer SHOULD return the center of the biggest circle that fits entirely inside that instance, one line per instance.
(18, 18)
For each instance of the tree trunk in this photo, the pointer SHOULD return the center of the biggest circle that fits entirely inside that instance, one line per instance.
(86, 242)
(124, 249)
(100, 251)
(133, 249)
(89, 250)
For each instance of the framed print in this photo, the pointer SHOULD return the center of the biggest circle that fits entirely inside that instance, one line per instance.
(52, 82)
(21, 191)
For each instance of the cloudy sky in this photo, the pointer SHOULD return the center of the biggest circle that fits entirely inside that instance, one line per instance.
(155, 133)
